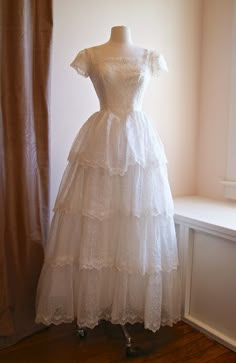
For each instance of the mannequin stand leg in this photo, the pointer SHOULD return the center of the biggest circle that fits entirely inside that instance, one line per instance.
(130, 350)
(127, 336)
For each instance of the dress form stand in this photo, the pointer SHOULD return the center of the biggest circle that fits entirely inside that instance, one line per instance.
(121, 39)
(120, 44)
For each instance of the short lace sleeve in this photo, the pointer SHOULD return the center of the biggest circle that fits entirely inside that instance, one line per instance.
(81, 63)
(157, 63)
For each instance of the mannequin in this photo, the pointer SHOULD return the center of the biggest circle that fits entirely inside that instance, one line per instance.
(120, 44)
(121, 34)
(112, 243)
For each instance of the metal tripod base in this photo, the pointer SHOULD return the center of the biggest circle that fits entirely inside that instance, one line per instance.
(129, 349)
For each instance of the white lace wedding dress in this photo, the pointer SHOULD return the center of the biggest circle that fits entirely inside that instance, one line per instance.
(112, 252)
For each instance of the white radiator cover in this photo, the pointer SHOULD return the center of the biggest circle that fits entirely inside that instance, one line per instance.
(206, 231)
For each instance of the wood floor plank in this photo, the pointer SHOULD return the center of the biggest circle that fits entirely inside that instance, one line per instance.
(106, 344)
(209, 354)
(227, 357)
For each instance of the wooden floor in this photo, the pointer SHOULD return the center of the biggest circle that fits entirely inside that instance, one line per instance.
(106, 344)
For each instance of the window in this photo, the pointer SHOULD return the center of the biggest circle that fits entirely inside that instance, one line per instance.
(230, 178)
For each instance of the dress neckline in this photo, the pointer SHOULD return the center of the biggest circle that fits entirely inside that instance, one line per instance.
(143, 59)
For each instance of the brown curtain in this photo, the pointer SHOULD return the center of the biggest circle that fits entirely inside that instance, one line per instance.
(26, 31)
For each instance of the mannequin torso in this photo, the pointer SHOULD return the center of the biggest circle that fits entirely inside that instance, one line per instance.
(119, 45)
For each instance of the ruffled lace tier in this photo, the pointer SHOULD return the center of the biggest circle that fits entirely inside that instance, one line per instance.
(114, 143)
(68, 293)
(93, 192)
(135, 245)
(104, 177)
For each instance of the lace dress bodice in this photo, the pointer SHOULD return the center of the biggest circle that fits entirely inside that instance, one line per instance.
(119, 82)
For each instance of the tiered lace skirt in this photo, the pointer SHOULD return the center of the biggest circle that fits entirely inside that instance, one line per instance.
(112, 251)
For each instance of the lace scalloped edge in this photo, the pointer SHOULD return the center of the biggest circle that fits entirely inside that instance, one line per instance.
(114, 171)
(71, 261)
(107, 317)
(79, 70)
(106, 215)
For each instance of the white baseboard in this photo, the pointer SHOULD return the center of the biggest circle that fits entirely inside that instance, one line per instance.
(210, 332)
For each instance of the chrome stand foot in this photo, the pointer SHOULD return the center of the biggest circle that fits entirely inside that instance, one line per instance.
(133, 352)
(81, 332)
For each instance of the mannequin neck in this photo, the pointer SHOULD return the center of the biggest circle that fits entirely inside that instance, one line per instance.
(121, 35)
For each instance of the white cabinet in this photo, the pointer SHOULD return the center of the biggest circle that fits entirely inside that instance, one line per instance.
(206, 232)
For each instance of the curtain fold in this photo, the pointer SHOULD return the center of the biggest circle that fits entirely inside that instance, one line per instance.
(26, 32)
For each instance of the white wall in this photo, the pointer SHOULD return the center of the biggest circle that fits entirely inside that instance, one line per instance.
(214, 96)
(170, 26)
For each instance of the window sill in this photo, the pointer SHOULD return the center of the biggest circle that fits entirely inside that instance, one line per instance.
(206, 213)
